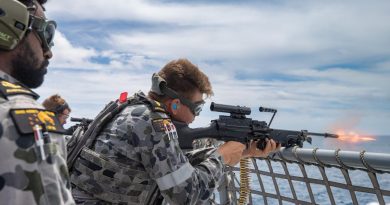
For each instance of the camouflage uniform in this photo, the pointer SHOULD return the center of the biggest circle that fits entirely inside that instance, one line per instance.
(138, 153)
(24, 177)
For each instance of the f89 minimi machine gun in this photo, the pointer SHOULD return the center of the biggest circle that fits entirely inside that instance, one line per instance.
(237, 127)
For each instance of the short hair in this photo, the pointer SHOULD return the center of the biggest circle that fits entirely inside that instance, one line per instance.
(184, 77)
(56, 103)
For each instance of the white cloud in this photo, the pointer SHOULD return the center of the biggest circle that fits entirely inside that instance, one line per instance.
(238, 31)
(67, 55)
(258, 40)
(150, 11)
(70, 56)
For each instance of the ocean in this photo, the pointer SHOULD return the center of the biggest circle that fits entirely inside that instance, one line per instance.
(381, 144)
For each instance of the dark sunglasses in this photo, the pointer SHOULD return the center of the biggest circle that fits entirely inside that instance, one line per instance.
(66, 116)
(60, 108)
(195, 107)
(45, 30)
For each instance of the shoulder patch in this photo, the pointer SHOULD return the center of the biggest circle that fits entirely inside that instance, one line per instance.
(25, 119)
(9, 89)
(160, 125)
(165, 125)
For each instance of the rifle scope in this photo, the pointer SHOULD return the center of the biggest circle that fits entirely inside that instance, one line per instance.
(240, 110)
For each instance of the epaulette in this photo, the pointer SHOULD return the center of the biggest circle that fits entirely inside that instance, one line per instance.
(25, 119)
(9, 89)
(157, 106)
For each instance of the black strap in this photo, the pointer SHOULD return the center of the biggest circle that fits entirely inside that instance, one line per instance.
(74, 153)
(104, 117)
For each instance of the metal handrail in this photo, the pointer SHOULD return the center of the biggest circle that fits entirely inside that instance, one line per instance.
(373, 164)
(369, 161)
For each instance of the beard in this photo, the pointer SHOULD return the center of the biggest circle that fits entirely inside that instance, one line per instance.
(27, 68)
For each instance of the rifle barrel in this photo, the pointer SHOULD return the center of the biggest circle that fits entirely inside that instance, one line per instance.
(75, 119)
(323, 134)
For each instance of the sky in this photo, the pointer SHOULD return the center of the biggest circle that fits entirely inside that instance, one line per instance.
(324, 65)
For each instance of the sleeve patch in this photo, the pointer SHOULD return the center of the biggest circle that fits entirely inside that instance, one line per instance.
(165, 125)
(25, 119)
(159, 125)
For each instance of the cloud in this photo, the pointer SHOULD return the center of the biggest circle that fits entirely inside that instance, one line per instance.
(67, 55)
(88, 92)
(150, 11)
(225, 30)
(314, 61)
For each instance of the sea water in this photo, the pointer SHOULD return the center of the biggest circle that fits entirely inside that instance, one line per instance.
(381, 144)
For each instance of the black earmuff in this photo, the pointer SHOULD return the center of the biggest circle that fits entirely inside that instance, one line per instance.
(158, 84)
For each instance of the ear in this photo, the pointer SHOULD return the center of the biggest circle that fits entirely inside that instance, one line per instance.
(174, 106)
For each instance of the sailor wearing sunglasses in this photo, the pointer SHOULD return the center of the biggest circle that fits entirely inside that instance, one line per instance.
(136, 157)
(32, 150)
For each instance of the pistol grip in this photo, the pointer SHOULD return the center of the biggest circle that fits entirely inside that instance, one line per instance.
(261, 144)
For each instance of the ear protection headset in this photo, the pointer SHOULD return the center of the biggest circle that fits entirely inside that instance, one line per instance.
(14, 22)
(159, 86)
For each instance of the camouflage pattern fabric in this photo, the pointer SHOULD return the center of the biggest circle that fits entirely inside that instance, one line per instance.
(137, 151)
(24, 177)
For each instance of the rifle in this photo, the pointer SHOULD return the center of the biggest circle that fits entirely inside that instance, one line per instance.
(76, 131)
(81, 120)
(237, 127)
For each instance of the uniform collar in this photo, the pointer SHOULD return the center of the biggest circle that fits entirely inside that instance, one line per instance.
(22, 89)
(8, 78)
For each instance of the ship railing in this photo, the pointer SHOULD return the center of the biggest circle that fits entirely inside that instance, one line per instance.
(312, 176)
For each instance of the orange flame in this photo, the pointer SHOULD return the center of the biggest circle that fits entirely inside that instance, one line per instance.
(353, 137)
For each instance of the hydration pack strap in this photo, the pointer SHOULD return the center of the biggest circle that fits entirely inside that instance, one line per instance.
(87, 139)
(106, 115)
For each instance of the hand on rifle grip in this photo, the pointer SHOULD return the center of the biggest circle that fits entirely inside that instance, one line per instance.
(261, 144)
(268, 147)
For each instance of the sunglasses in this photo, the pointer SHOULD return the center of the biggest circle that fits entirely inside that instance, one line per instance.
(45, 30)
(195, 107)
(66, 116)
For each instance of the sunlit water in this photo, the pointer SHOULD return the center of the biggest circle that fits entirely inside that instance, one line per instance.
(341, 196)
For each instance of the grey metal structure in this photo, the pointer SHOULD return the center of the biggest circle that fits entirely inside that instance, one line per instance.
(287, 178)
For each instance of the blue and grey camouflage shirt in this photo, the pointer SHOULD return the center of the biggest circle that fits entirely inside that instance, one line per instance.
(25, 178)
(137, 151)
